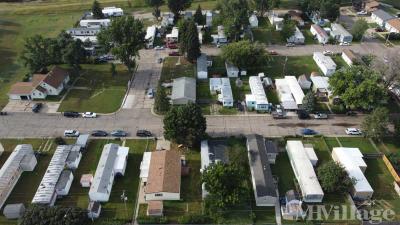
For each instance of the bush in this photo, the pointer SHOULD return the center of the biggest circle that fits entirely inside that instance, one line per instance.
(26, 78)
(194, 219)
(152, 220)
(59, 141)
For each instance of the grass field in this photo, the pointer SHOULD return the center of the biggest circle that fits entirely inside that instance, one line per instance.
(171, 70)
(266, 33)
(283, 170)
(98, 90)
(295, 66)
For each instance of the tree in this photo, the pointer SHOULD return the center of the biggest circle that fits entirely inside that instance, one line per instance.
(329, 9)
(124, 37)
(96, 10)
(333, 178)
(177, 6)
(262, 6)
(185, 124)
(161, 104)
(183, 26)
(225, 183)
(309, 102)
(235, 14)
(288, 29)
(189, 40)
(37, 53)
(358, 29)
(389, 68)
(113, 70)
(199, 18)
(396, 124)
(358, 87)
(156, 4)
(244, 54)
(55, 215)
(74, 54)
(207, 36)
(375, 125)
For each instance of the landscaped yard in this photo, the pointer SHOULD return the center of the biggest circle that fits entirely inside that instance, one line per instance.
(363, 144)
(172, 70)
(96, 90)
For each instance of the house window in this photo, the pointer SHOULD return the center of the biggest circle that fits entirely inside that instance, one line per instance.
(159, 195)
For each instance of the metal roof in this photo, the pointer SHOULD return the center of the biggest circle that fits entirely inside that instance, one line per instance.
(383, 15)
(184, 87)
(324, 60)
(202, 63)
(263, 181)
(63, 180)
(338, 29)
(213, 151)
(82, 140)
(295, 88)
(46, 189)
(284, 94)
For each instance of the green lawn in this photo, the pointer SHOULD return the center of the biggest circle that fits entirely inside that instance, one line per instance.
(295, 65)
(283, 170)
(340, 63)
(363, 144)
(218, 66)
(203, 90)
(171, 70)
(266, 33)
(331, 142)
(389, 145)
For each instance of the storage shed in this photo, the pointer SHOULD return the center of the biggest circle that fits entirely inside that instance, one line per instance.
(86, 180)
(14, 211)
(231, 70)
(304, 82)
(202, 68)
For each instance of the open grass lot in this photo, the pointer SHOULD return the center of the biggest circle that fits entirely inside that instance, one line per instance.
(295, 65)
(203, 90)
(97, 91)
(389, 145)
(283, 171)
(171, 70)
(266, 33)
(218, 66)
(363, 144)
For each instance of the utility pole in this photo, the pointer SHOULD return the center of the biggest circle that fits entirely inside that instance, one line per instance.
(124, 198)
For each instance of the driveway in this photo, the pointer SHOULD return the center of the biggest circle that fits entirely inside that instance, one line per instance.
(15, 106)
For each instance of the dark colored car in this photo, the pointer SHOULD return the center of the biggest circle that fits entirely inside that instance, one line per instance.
(3, 113)
(307, 131)
(36, 107)
(70, 114)
(143, 133)
(302, 114)
(119, 133)
(99, 133)
(174, 53)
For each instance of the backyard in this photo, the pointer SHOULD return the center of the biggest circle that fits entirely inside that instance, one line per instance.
(175, 67)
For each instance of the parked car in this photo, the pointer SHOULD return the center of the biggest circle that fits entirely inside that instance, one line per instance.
(362, 13)
(327, 52)
(150, 93)
(159, 48)
(302, 114)
(272, 52)
(119, 133)
(3, 113)
(71, 114)
(99, 133)
(345, 44)
(320, 116)
(353, 131)
(89, 115)
(290, 45)
(36, 107)
(307, 131)
(279, 113)
(379, 29)
(160, 60)
(174, 53)
(167, 85)
(71, 133)
(172, 46)
(143, 133)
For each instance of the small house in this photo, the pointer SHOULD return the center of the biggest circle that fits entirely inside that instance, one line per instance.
(183, 91)
(94, 210)
(202, 67)
(14, 211)
(340, 34)
(319, 33)
(304, 82)
(86, 180)
(112, 11)
(393, 25)
(150, 36)
(325, 63)
(297, 38)
(253, 21)
(320, 87)
(64, 183)
(380, 17)
(231, 70)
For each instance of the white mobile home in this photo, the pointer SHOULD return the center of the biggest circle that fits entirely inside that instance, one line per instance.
(295, 89)
(275, 20)
(285, 95)
(257, 100)
(209, 17)
(173, 36)
(319, 33)
(150, 36)
(304, 172)
(297, 38)
(202, 67)
(225, 96)
(20, 160)
(64, 183)
(349, 56)
(253, 21)
(380, 17)
(352, 161)
(320, 86)
(231, 70)
(95, 23)
(112, 11)
(340, 33)
(325, 63)
(220, 37)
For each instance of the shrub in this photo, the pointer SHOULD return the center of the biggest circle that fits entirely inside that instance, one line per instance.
(59, 141)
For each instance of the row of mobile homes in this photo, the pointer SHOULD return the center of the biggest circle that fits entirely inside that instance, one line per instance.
(303, 169)
(320, 87)
(112, 163)
(20, 160)
(297, 38)
(380, 17)
(352, 161)
(265, 192)
(55, 182)
(285, 95)
(212, 152)
(319, 33)
(257, 100)
(340, 33)
(183, 91)
(112, 11)
(325, 63)
(150, 36)
(163, 178)
(95, 23)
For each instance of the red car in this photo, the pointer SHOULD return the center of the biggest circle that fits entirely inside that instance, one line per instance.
(174, 53)
(272, 52)
(172, 46)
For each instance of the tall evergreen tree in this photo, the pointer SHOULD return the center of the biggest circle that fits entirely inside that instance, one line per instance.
(309, 102)
(193, 44)
(183, 31)
(161, 103)
(199, 18)
(96, 10)
(177, 6)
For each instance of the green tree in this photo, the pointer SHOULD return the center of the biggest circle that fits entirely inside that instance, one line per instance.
(396, 124)
(199, 18)
(330, 9)
(288, 29)
(113, 70)
(74, 54)
(193, 43)
(96, 10)
(161, 104)
(37, 53)
(55, 215)
(183, 26)
(226, 184)
(185, 124)
(333, 178)
(207, 36)
(359, 28)
(177, 6)
(235, 16)
(375, 125)
(156, 4)
(124, 38)
(309, 102)
(358, 87)
(262, 6)
(245, 54)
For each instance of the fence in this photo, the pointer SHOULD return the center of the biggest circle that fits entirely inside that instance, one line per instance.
(391, 169)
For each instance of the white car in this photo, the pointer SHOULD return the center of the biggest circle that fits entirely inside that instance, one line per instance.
(345, 44)
(362, 13)
(71, 133)
(89, 115)
(159, 48)
(150, 93)
(353, 131)
(327, 52)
